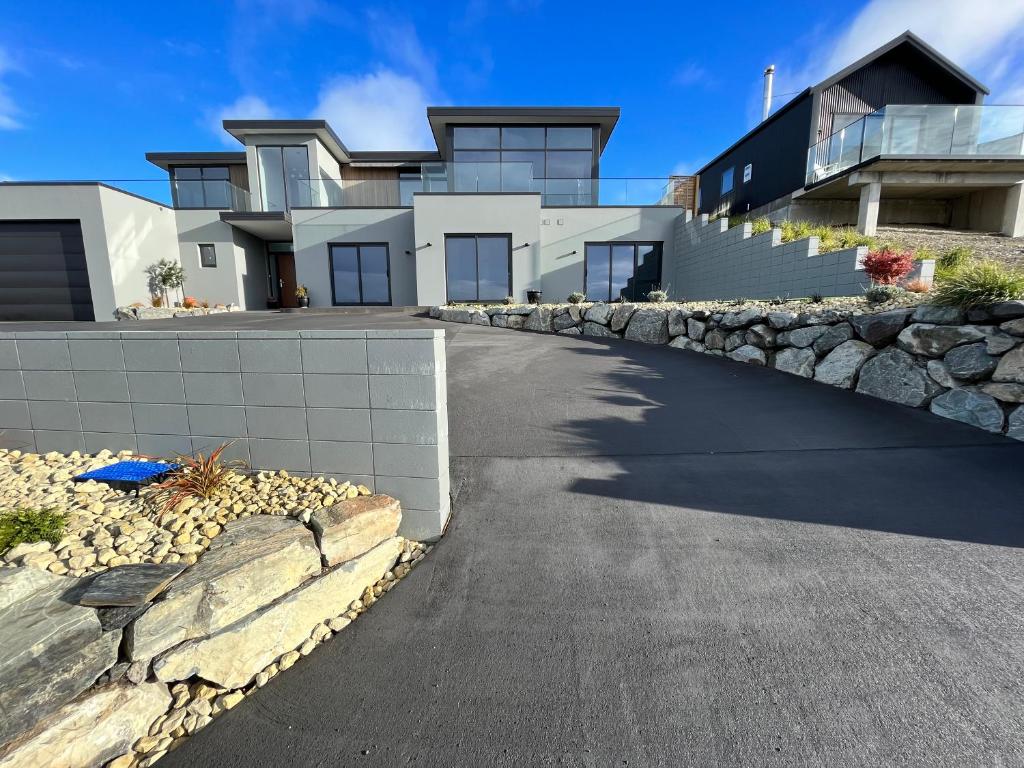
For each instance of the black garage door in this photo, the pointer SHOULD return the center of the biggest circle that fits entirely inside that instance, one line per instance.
(43, 275)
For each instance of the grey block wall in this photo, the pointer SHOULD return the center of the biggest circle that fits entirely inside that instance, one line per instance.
(366, 406)
(715, 262)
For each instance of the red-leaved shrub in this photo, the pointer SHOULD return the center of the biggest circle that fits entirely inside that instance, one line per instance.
(190, 302)
(886, 266)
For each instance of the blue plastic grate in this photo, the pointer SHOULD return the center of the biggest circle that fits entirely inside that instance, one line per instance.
(128, 472)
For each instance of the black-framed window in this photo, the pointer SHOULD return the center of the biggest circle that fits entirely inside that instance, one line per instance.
(360, 273)
(619, 270)
(727, 180)
(478, 267)
(201, 186)
(207, 255)
(284, 177)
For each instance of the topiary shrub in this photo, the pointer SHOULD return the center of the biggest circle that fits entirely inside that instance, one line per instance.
(576, 297)
(888, 265)
(27, 526)
(978, 284)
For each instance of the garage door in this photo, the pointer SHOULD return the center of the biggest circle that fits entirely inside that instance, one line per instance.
(43, 274)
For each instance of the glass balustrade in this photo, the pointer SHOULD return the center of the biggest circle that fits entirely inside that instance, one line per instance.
(210, 193)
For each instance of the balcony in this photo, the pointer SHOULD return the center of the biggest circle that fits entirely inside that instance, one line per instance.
(920, 131)
(216, 194)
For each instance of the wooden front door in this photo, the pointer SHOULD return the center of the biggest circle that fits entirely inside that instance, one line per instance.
(286, 282)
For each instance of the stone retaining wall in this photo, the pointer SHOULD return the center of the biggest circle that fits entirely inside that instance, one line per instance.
(967, 366)
(165, 313)
(119, 666)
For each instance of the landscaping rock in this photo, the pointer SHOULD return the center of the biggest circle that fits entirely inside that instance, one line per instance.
(596, 329)
(970, 362)
(1011, 367)
(508, 321)
(681, 342)
(939, 371)
(801, 337)
(799, 362)
(974, 408)
(1015, 424)
(761, 336)
(735, 340)
(561, 322)
(1007, 393)
(882, 328)
(620, 317)
(894, 375)
(599, 313)
(782, 321)
(832, 338)
(748, 354)
(464, 315)
(842, 364)
(571, 331)
(130, 585)
(510, 309)
(928, 313)
(232, 657)
(715, 339)
(98, 727)
(539, 320)
(733, 320)
(352, 527)
(677, 319)
(254, 561)
(1007, 310)
(50, 649)
(696, 329)
(1015, 327)
(647, 325)
(936, 340)
(997, 342)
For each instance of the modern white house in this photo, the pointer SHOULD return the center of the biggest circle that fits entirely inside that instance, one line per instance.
(511, 201)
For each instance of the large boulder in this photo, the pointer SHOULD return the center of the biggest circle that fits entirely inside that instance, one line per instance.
(98, 727)
(733, 320)
(971, 362)
(928, 313)
(761, 336)
(508, 321)
(799, 362)
(735, 340)
(252, 562)
(231, 657)
(649, 326)
(354, 526)
(563, 321)
(1007, 393)
(801, 337)
(599, 313)
(832, 338)
(748, 354)
(596, 329)
(696, 329)
(936, 340)
(1011, 367)
(974, 408)
(715, 339)
(1004, 310)
(677, 319)
(682, 342)
(1015, 424)
(782, 321)
(464, 315)
(895, 375)
(620, 317)
(842, 364)
(880, 329)
(509, 309)
(50, 648)
(940, 372)
(997, 342)
(1015, 327)
(130, 584)
(539, 320)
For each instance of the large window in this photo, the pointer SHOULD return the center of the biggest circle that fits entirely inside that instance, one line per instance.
(201, 187)
(621, 271)
(360, 273)
(727, 180)
(478, 267)
(284, 177)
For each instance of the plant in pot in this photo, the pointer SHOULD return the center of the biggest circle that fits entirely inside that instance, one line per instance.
(302, 294)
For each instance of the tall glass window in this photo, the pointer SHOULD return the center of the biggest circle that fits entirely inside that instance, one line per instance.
(409, 182)
(202, 187)
(621, 271)
(478, 267)
(360, 273)
(284, 177)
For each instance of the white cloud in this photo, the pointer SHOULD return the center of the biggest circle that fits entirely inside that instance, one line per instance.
(690, 74)
(379, 110)
(688, 167)
(8, 109)
(243, 108)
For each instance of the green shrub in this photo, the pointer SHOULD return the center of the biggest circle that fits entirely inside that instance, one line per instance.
(26, 526)
(924, 253)
(760, 225)
(795, 230)
(576, 297)
(951, 261)
(657, 296)
(815, 298)
(877, 294)
(978, 284)
(848, 237)
(510, 300)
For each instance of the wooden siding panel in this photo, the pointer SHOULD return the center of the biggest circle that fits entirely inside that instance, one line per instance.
(372, 187)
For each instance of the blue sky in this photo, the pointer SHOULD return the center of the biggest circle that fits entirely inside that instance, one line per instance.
(86, 89)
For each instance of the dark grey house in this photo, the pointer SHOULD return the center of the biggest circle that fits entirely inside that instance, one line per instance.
(898, 137)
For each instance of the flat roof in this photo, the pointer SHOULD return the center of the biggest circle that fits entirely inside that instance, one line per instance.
(168, 160)
(441, 117)
(320, 128)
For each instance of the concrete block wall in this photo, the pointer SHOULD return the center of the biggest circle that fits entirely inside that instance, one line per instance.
(366, 406)
(715, 262)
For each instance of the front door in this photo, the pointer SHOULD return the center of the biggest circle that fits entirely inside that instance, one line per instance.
(286, 283)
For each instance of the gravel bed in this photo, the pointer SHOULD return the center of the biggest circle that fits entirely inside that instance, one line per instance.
(988, 245)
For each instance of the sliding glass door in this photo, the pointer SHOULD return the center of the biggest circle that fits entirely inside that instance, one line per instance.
(478, 267)
(627, 271)
(360, 273)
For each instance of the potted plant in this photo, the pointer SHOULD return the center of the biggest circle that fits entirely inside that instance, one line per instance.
(302, 294)
(534, 297)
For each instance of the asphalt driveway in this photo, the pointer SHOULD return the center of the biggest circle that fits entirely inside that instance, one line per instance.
(664, 558)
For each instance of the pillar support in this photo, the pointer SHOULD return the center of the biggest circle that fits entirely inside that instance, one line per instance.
(867, 213)
(1013, 212)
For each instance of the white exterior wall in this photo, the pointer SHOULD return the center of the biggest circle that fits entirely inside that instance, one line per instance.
(321, 163)
(439, 214)
(240, 276)
(314, 230)
(564, 231)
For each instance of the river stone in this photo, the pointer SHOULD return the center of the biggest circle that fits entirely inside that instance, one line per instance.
(832, 338)
(50, 648)
(561, 322)
(974, 408)
(939, 371)
(782, 321)
(599, 313)
(1011, 367)
(715, 339)
(677, 319)
(696, 329)
(936, 340)
(761, 336)
(1008, 393)
(251, 563)
(131, 584)
(733, 320)
(649, 326)
(841, 365)
(596, 329)
(96, 728)
(748, 354)
(894, 375)
(801, 337)
(539, 320)
(508, 321)
(799, 362)
(620, 317)
(232, 657)
(352, 527)
(882, 328)
(735, 340)
(681, 342)
(463, 315)
(927, 313)
(1015, 424)
(970, 362)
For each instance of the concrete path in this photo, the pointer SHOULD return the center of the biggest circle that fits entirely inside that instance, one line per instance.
(664, 558)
